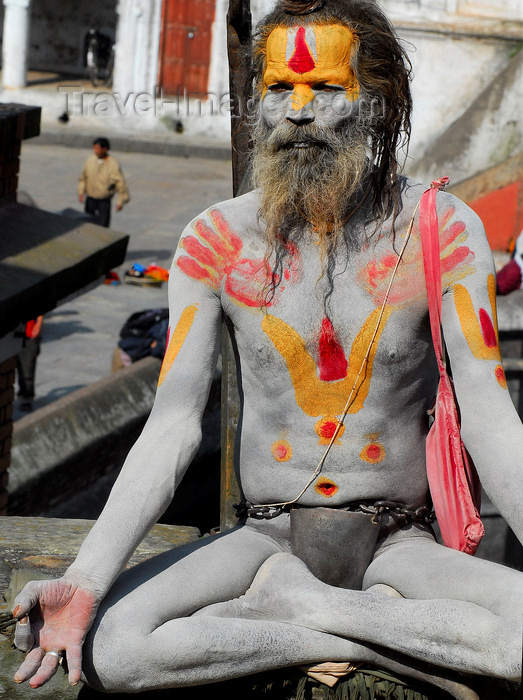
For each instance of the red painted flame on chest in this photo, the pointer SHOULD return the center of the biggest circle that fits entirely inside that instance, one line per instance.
(332, 361)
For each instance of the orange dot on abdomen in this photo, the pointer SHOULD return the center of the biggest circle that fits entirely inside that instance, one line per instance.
(281, 450)
(373, 453)
(326, 427)
(326, 487)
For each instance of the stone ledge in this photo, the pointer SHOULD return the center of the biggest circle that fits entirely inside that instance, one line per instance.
(167, 145)
(486, 181)
(55, 440)
(35, 548)
(49, 545)
(66, 456)
(23, 537)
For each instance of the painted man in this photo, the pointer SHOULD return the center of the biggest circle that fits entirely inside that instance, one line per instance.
(299, 268)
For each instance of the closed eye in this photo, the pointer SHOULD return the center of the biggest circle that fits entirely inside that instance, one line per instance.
(327, 87)
(280, 87)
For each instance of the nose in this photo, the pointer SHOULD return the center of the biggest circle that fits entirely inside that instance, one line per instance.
(303, 116)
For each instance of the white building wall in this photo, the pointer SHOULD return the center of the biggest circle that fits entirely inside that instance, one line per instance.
(218, 71)
(137, 46)
(456, 48)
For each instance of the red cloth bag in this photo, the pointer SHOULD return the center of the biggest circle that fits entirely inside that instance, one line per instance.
(454, 483)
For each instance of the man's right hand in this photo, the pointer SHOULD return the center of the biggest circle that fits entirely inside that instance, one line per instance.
(81, 198)
(53, 616)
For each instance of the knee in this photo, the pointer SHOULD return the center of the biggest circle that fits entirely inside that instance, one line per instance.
(496, 642)
(510, 605)
(122, 652)
(111, 654)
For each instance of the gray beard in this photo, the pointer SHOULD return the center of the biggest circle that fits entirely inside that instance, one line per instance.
(316, 185)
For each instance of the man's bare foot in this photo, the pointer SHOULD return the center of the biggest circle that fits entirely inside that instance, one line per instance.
(283, 590)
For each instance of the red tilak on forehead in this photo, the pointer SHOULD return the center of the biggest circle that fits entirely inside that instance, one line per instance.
(301, 60)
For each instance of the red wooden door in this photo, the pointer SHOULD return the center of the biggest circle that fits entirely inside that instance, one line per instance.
(185, 46)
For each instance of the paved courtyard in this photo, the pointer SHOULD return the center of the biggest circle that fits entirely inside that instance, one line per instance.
(166, 193)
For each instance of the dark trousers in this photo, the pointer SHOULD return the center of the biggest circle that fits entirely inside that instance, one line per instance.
(26, 366)
(100, 209)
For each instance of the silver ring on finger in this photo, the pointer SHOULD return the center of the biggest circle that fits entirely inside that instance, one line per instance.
(59, 655)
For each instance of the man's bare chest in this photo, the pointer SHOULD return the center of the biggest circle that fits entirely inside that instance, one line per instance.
(326, 327)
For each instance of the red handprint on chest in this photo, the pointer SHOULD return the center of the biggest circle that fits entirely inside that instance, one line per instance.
(215, 257)
(455, 258)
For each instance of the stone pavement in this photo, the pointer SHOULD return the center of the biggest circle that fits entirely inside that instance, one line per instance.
(166, 193)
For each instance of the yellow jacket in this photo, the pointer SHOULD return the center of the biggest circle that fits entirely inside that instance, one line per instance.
(101, 178)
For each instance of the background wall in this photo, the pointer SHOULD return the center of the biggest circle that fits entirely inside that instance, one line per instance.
(58, 29)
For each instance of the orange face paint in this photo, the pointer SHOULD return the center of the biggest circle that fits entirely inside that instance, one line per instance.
(281, 450)
(308, 56)
(177, 340)
(480, 330)
(326, 487)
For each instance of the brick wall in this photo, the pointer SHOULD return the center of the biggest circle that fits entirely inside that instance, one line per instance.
(7, 379)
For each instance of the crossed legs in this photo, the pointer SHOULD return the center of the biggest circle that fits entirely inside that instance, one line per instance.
(184, 618)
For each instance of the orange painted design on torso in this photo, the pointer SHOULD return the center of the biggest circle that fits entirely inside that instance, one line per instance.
(313, 395)
(281, 450)
(326, 487)
(374, 453)
(177, 340)
(332, 362)
(325, 429)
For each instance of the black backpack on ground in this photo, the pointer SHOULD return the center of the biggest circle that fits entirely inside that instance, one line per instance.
(141, 330)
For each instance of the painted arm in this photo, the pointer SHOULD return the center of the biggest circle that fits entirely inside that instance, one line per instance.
(491, 428)
(57, 615)
(160, 457)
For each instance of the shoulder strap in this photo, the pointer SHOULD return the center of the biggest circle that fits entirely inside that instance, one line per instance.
(429, 234)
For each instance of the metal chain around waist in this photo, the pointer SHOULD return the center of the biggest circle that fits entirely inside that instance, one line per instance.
(422, 514)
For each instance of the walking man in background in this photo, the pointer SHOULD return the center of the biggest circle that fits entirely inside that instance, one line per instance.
(101, 177)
